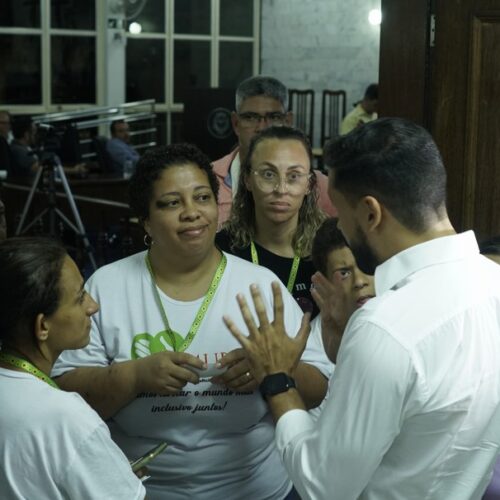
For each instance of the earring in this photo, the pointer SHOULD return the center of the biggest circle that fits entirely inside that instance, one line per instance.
(148, 240)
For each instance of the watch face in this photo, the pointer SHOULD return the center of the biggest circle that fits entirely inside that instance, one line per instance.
(276, 384)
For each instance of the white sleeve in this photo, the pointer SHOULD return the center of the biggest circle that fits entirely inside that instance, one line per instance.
(100, 470)
(334, 457)
(314, 353)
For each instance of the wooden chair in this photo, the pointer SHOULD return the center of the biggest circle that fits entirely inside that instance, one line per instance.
(301, 103)
(333, 108)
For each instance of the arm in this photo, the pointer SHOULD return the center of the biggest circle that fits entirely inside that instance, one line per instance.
(107, 389)
(336, 457)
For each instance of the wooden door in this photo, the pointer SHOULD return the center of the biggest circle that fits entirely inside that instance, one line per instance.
(465, 109)
(440, 67)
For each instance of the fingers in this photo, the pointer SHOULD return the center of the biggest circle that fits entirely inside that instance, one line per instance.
(247, 316)
(231, 326)
(260, 308)
(277, 303)
(232, 357)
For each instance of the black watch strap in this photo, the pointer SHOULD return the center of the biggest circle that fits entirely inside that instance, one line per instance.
(276, 383)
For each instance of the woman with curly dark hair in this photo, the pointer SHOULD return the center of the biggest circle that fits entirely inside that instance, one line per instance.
(167, 368)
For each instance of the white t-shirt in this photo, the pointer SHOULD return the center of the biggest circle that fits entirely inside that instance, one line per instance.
(54, 446)
(221, 443)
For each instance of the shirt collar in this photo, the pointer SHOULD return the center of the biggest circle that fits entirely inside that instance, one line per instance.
(393, 271)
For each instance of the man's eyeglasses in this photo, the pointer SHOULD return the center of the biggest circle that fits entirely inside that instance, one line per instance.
(269, 180)
(250, 119)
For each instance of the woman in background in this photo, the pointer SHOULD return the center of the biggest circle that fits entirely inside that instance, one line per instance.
(275, 214)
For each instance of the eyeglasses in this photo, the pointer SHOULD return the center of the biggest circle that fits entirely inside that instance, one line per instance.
(250, 119)
(269, 180)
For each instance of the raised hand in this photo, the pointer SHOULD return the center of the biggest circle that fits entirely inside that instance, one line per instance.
(335, 312)
(268, 348)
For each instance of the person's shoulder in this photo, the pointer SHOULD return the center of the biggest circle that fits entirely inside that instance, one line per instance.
(221, 166)
(119, 269)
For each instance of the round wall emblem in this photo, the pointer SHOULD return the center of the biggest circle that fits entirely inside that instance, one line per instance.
(219, 123)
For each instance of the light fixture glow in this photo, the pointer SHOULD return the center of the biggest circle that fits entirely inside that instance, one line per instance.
(375, 17)
(135, 28)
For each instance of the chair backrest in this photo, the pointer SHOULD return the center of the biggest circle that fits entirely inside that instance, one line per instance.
(333, 110)
(301, 103)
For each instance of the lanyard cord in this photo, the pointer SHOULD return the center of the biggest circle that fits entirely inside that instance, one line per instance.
(201, 312)
(293, 271)
(12, 360)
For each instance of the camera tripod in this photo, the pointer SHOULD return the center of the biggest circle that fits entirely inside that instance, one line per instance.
(48, 170)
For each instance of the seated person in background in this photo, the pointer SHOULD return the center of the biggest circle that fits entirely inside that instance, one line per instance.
(275, 213)
(364, 112)
(491, 249)
(24, 162)
(5, 139)
(261, 101)
(161, 323)
(118, 147)
(52, 444)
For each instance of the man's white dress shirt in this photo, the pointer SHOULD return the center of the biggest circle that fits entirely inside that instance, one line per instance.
(414, 405)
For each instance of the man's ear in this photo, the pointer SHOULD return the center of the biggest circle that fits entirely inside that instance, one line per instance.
(289, 118)
(42, 325)
(371, 213)
(235, 122)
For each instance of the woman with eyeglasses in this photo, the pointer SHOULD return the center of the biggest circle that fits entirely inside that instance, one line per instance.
(275, 214)
(52, 444)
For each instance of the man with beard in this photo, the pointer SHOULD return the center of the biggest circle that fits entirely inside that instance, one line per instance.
(414, 407)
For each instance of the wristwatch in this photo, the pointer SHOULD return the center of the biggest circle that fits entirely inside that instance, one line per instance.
(276, 383)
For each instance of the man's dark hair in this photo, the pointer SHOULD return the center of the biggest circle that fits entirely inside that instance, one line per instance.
(30, 270)
(154, 162)
(371, 92)
(490, 246)
(327, 238)
(20, 126)
(395, 161)
(112, 127)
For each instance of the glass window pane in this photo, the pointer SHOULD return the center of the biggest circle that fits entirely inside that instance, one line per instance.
(191, 67)
(21, 78)
(237, 57)
(150, 15)
(236, 18)
(73, 69)
(177, 121)
(145, 69)
(14, 13)
(192, 16)
(72, 14)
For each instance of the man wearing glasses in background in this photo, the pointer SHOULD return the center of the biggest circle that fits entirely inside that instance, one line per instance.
(261, 101)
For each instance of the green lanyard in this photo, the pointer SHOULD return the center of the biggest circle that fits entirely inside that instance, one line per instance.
(27, 367)
(293, 271)
(201, 312)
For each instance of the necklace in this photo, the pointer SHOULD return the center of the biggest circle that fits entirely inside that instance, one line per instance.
(12, 360)
(293, 270)
(199, 315)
